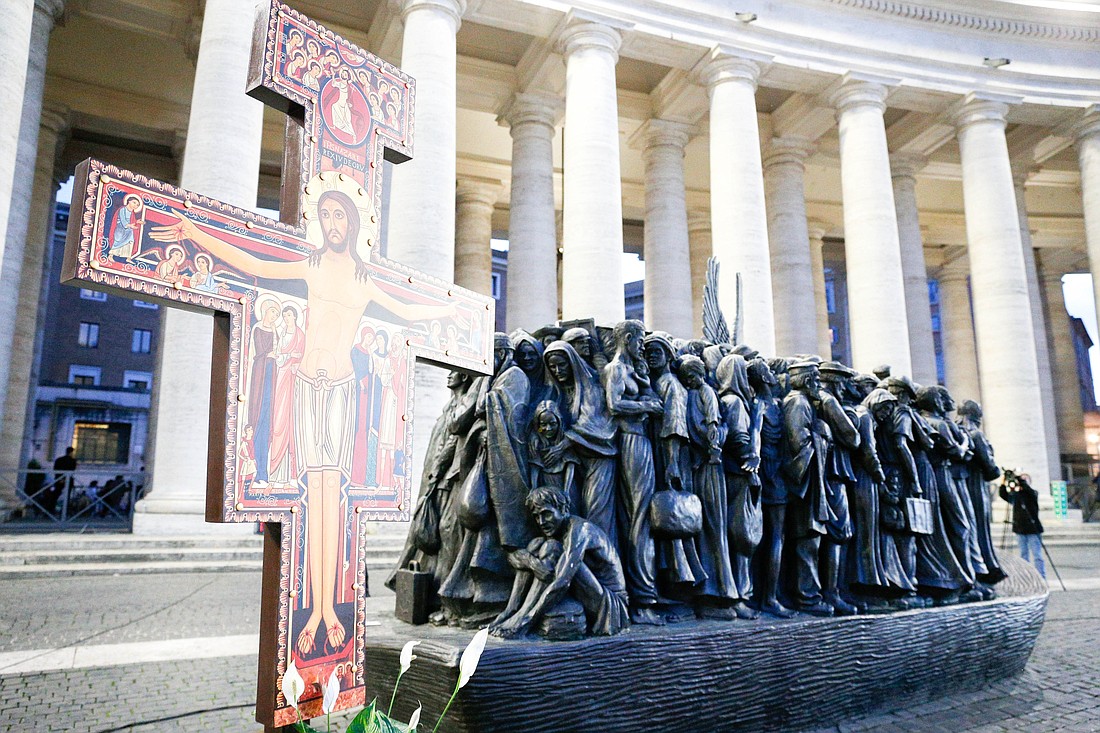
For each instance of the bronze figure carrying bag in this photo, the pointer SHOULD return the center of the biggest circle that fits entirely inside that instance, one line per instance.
(675, 514)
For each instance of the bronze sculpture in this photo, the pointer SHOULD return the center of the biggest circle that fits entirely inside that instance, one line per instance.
(726, 484)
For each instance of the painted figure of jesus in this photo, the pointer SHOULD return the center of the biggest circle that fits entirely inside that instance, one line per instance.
(339, 289)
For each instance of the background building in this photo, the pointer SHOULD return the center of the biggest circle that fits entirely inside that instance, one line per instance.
(840, 154)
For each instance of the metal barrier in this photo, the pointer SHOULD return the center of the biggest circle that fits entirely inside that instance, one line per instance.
(81, 500)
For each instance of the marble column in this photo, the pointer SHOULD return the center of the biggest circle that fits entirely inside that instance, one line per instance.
(221, 159)
(739, 219)
(878, 321)
(421, 221)
(960, 355)
(53, 126)
(918, 308)
(699, 245)
(794, 298)
(1087, 135)
(18, 204)
(532, 232)
(593, 210)
(668, 296)
(1039, 325)
(474, 202)
(15, 46)
(816, 233)
(1002, 313)
(1070, 417)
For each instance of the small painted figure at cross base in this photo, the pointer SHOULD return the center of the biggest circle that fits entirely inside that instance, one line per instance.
(572, 560)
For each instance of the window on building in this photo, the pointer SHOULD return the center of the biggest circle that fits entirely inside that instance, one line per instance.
(92, 295)
(145, 304)
(100, 442)
(83, 376)
(142, 341)
(89, 335)
(830, 296)
(137, 380)
(496, 285)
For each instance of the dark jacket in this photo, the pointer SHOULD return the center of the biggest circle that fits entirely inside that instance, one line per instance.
(1025, 508)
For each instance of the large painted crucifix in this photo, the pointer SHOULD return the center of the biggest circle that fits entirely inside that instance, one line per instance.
(316, 336)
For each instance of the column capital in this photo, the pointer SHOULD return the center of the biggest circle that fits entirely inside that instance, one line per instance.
(954, 271)
(453, 9)
(478, 190)
(816, 229)
(1088, 125)
(537, 108)
(784, 150)
(579, 32)
(657, 133)
(698, 220)
(906, 165)
(860, 90)
(54, 9)
(1021, 171)
(977, 107)
(55, 118)
(722, 64)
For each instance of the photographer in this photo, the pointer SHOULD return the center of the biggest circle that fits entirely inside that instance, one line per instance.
(1017, 491)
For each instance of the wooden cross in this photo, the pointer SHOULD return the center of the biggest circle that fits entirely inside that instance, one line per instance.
(316, 336)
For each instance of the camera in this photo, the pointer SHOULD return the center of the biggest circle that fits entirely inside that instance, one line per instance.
(1011, 480)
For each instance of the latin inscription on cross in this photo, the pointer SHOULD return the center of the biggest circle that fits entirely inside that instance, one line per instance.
(316, 336)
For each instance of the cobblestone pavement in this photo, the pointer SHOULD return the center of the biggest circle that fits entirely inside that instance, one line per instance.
(1059, 690)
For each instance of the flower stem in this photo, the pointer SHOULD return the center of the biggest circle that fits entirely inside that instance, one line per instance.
(445, 709)
(394, 695)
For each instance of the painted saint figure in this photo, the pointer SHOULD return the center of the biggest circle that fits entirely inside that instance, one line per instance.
(127, 229)
(283, 471)
(261, 384)
(339, 288)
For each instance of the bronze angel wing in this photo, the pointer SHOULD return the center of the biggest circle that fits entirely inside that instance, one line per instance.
(715, 328)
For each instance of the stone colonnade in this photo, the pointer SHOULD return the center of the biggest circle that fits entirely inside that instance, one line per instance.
(996, 312)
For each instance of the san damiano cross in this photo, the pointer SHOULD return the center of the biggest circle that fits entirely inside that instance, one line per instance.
(316, 336)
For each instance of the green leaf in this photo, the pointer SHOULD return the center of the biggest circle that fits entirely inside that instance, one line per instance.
(363, 721)
(303, 727)
(385, 724)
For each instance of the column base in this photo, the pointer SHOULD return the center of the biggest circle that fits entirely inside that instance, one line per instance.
(153, 516)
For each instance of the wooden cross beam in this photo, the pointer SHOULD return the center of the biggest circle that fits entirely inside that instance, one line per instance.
(316, 336)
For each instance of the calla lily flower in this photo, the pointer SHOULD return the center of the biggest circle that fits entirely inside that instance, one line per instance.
(332, 692)
(471, 656)
(407, 656)
(415, 719)
(293, 684)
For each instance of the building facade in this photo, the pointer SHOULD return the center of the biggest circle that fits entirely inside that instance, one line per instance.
(885, 144)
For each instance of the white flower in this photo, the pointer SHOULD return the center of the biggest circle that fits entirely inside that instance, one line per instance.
(407, 656)
(332, 692)
(415, 719)
(471, 656)
(293, 684)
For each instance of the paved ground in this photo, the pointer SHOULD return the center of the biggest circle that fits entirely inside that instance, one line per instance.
(1059, 691)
